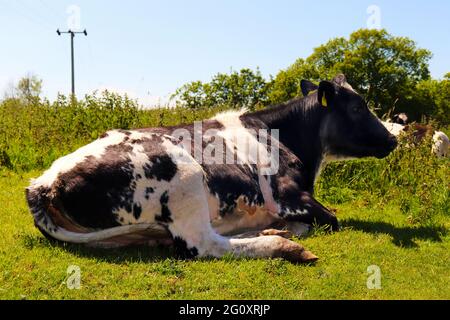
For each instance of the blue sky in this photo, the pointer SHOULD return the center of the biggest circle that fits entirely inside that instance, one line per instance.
(149, 48)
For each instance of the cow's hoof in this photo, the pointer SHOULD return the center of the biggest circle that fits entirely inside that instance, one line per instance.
(335, 227)
(300, 256)
(332, 225)
(294, 252)
(274, 232)
(308, 256)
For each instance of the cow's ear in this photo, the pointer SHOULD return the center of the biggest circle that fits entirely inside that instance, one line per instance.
(340, 79)
(327, 92)
(308, 87)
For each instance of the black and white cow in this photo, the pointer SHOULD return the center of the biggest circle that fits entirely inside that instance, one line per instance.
(400, 118)
(440, 141)
(137, 186)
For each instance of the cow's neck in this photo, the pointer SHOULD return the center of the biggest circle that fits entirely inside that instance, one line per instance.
(299, 122)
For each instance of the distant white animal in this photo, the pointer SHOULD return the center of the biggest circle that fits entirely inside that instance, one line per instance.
(400, 118)
(394, 128)
(441, 142)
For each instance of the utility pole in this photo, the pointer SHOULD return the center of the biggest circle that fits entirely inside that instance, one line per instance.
(72, 36)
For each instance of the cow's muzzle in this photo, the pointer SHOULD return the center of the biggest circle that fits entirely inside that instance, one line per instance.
(392, 143)
(390, 146)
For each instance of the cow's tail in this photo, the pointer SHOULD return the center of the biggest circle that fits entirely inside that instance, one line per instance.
(39, 202)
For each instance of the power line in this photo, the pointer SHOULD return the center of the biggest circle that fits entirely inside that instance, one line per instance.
(51, 10)
(26, 16)
(72, 36)
(35, 14)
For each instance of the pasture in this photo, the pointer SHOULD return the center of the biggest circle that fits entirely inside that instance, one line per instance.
(395, 214)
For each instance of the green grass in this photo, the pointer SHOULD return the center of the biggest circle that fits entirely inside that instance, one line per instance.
(414, 261)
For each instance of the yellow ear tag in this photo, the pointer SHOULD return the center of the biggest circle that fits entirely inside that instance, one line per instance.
(312, 92)
(324, 101)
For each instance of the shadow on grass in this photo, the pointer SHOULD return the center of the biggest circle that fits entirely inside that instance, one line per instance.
(130, 254)
(144, 254)
(141, 253)
(401, 236)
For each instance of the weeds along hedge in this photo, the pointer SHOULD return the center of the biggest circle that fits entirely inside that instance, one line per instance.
(35, 133)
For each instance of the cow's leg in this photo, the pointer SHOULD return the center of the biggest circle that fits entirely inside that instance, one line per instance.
(285, 229)
(194, 236)
(210, 244)
(278, 231)
(309, 211)
(271, 247)
(298, 229)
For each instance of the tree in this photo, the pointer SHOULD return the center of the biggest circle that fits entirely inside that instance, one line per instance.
(287, 83)
(442, 100)
(28, 89)
(391, 72)
(243, 89)
(192, 95)
(380, 66)
(430, 99)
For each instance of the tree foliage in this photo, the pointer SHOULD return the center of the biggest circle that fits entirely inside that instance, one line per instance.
(243, 89)
(380, 66)
(429, 99)
(29, 89)
(391, 72)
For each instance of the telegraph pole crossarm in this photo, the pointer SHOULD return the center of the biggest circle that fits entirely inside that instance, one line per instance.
(72, 36)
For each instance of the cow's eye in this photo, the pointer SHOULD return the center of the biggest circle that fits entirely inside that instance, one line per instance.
(357, 109)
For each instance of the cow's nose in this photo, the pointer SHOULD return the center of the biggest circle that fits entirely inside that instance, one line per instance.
(392, 142)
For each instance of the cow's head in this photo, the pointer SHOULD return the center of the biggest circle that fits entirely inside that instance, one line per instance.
(400, 118)
(349, 128)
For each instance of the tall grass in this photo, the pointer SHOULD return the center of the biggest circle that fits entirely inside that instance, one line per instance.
(411, 177)
(34, 134)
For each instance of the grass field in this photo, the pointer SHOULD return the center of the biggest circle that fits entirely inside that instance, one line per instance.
(414, 261)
